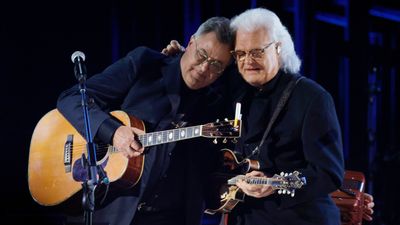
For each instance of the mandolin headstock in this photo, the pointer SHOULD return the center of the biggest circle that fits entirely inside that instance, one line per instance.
(288, 183)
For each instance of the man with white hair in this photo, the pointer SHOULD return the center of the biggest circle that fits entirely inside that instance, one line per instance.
(312, 136)
(305, 136)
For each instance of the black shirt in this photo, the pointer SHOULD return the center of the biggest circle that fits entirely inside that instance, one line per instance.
(305, 137)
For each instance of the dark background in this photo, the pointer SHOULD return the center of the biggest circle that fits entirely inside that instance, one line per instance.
(350, 47)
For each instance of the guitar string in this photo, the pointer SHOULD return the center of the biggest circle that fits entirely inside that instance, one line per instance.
(103, 148)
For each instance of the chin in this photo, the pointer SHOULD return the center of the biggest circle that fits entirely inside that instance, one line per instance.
(193, 86)
(252, 82)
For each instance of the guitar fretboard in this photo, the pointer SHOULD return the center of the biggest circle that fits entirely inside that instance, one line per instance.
(162, 137)
(167, 136)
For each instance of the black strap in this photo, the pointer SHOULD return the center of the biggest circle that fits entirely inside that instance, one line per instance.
(282, 101)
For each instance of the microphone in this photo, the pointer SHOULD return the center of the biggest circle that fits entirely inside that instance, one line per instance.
(78, 58)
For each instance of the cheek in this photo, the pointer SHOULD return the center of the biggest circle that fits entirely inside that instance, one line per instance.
(240, 67)
(188, 64)
(271, 63)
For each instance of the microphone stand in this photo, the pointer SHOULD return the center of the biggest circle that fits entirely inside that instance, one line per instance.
(90, 163)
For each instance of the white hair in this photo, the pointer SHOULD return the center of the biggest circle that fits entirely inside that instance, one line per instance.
(253, 19)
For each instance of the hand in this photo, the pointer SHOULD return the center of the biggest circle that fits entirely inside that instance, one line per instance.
(124, 140)
(173, 48)
(257, 191)
(368, 205)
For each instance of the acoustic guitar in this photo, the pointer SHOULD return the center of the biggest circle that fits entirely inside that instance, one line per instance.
(56, 171)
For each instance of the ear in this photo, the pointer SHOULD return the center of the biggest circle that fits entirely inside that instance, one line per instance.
(190, 41)
(278, 48)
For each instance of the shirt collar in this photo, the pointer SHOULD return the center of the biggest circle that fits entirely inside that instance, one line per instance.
(268, 87)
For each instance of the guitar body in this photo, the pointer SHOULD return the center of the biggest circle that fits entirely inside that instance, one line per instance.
(234, 163)
(51, 181)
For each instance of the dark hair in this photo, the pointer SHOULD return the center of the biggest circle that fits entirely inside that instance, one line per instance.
(218, 25)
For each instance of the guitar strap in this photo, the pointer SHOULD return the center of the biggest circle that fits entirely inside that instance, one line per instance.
(281, 104)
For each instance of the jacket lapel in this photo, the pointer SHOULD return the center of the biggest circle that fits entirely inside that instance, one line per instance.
(172, 79)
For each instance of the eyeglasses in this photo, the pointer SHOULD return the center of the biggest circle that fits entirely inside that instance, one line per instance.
(256, 53)
(201, 56)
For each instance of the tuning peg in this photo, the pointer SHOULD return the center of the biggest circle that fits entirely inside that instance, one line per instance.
(224, 141)
(282, 173)
(226, 120)
(215, 141)
(284, 192)
(279, 191)
(223, 195)
(217, 121)
(288, 192)
(234, 141)
(286, 174)
(292, 194)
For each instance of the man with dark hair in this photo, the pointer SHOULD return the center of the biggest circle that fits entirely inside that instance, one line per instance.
(163, 92)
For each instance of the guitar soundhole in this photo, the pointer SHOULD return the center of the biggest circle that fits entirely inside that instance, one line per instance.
(79, 172)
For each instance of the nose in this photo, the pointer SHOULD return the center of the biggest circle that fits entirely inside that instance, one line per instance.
(248, 59)
(204, 66)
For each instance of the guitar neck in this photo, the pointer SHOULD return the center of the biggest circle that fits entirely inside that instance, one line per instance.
(167, 136)
(219, 129)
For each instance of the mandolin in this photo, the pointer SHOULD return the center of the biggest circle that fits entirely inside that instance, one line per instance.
(225, 195)
(285, 183)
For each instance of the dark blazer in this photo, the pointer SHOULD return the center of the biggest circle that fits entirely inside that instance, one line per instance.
(148, 85)
(305, 137)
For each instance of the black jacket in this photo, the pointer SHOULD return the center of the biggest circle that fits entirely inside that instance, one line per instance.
(305, 137)
(149, 86)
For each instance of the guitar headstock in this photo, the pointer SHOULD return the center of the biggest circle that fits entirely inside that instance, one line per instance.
(221, 129)
(287, 183)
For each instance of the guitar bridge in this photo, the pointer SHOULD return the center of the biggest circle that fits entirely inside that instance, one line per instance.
(68, 153)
